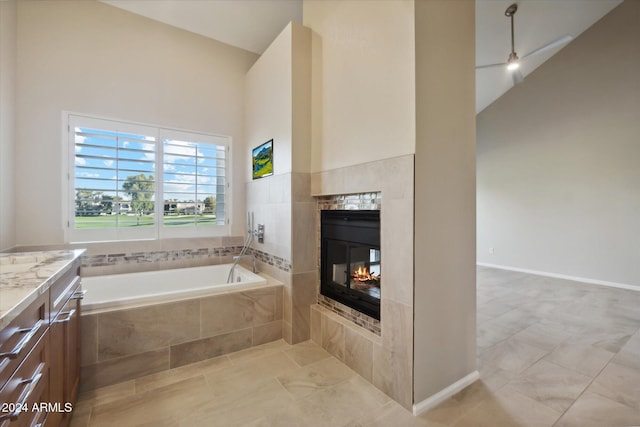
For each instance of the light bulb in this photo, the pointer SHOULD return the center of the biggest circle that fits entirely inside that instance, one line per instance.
(513, 62)
(513, 66)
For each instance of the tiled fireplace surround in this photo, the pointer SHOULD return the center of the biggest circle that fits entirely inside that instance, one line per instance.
(386, 360)
(381, 352)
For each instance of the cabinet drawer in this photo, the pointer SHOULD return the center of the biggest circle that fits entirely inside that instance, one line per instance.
(29, 385)
(64, 288)
(19, 337)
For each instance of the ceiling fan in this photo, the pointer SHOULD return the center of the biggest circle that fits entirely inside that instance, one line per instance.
(513, 61)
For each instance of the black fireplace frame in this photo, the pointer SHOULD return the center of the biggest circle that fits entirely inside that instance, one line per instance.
(351, 228)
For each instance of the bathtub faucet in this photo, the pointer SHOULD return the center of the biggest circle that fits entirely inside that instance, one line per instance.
(253, 260)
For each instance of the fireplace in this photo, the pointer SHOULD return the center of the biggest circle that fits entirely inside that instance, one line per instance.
(350, 259)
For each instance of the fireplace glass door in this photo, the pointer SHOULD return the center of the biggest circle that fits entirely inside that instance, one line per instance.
(351, 261)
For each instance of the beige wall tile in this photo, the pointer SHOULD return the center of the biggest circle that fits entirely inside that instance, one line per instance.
(267, 332)
(279, 188)
(358, 353)
(401, 185)
(301, 187)
(304, 292)
(279, 292)
(397, 250)
(392, 376)
(286, 331)
(333, 337)
(88, 339)
(328, 182)
(207, 348)
(264, 304)
(136, 330)
(304, 255)
(229, 312)
(287, 303)
(316, 325)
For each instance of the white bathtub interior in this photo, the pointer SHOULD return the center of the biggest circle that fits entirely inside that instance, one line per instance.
(117, 290)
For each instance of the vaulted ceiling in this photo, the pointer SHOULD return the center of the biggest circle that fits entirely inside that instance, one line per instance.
(253, 24)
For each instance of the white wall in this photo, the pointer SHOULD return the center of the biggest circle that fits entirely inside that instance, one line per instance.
(7, 123)
(559, 160)
(363, 105)
(93, 58)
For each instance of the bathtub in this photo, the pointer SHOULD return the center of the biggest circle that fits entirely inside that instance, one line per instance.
(139, 324)
(150, 287)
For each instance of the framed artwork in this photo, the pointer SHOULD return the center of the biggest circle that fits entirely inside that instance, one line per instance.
(262, 160)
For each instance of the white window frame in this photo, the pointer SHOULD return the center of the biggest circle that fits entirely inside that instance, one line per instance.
(158, 231)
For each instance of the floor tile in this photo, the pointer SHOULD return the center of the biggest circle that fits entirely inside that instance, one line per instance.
(163, 406)
(584, 358)
(306, 353)
(551, 353)
(513, 355)
(552, 385)
(620, 383)
(509, 409)
(315, 377)
(246, 373)
(593, 410)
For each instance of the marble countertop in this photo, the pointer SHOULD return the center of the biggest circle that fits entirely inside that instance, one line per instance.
(25, 276)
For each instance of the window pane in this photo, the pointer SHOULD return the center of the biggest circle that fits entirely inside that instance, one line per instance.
(124, 184)
(114, 178)
(191, 188)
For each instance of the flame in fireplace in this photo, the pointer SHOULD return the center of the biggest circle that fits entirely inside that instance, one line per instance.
(362, 275)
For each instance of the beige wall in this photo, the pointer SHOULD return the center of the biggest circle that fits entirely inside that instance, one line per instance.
(93, 58)
(444, 269)
(363, 81)
(7, 123)
(559, 160)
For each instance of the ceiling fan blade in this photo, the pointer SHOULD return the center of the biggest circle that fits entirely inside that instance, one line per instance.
(479, 67)
(556, 43)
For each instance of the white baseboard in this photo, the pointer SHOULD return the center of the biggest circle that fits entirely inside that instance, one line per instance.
(445, 393)
(564, 276)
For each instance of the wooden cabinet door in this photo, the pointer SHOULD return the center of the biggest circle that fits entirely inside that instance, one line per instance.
(56, 375)
(65, 361)
(72, 355)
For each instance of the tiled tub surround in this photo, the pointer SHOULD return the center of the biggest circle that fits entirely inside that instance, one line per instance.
(390, 355)
(124, 344)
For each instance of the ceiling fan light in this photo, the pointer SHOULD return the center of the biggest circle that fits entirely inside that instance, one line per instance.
(513, 62)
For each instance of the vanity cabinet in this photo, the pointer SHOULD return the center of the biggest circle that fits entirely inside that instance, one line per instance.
(24, 363)
(40, 357)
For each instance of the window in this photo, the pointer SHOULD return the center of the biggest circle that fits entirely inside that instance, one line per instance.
(129, 181)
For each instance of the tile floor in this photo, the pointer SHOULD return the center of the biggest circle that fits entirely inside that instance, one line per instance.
(550, 353)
